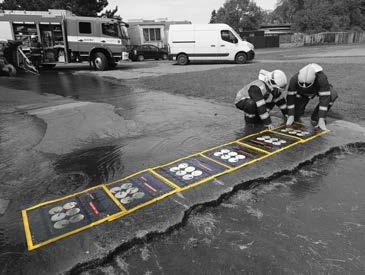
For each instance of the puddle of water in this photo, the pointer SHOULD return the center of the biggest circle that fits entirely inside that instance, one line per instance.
(310, 221)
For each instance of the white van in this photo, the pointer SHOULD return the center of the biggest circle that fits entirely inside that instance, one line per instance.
(207, 42)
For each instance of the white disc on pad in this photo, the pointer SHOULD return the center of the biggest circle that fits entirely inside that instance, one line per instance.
(76, 218)
(61, 224)
(197, 173)
(69, 205)
(55, 210)
(121, 195)
(138, 195)
(217, 154)
(115, 189)
(174, 169)
(276, 143)
(125, 200)
(225, 157)
(232, 154)
(73, 211)
(181, 173)
(268, 140)
(266, 137)
(183, 165)
(260, 138)
(240, 156)
(58, 217)
(233, 160)
(126, 185)
(132, 190)
(189, 169)
(282, 141)
(188, 177)
(225, 151)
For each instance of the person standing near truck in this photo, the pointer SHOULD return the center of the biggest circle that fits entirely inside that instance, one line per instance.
(308, 83)
(259, 97)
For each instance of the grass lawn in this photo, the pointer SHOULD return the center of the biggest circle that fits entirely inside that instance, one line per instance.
(222, 84)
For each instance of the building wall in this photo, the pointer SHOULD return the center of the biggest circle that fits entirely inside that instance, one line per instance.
(136, 35)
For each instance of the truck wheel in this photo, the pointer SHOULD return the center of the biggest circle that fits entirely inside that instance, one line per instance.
(140, 58)
(240, 58)
(182, 59)
(100, 61)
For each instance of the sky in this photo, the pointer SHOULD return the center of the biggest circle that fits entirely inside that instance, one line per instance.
(197, 11)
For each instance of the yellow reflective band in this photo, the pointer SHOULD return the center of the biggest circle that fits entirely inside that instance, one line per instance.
(264, 116)
(292, 93)
(324, 93)
(323, 108)
(260, 103)
(282, 106)
(291, 106)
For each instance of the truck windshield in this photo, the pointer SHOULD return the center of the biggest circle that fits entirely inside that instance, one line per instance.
(110, 29)
(124, 32)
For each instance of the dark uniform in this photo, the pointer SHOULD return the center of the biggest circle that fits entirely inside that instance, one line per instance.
(256, 100)
(298, 97)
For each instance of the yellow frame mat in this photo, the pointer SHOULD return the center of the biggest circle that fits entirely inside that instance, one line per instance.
(176, 189)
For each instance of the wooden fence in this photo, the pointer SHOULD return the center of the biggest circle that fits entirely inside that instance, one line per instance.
(324, 38)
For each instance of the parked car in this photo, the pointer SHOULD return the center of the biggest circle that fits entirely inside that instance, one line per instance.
(142, 52)
(214, 42)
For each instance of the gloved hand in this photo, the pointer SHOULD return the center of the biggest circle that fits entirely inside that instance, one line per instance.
(269, 127)
(322, 124)
(290, 120)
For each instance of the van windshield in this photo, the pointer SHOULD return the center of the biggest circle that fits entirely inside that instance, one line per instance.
(236, 34)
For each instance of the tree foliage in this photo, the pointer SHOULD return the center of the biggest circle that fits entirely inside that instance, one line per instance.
(78, 7)
(320, 15)
(242, 15)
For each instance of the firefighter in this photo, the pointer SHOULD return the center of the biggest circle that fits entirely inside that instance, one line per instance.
(258, 97)
(35, 51)
(310, 82)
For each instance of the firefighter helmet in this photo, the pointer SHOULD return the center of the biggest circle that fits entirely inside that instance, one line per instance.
(306, 76)
(278, 79)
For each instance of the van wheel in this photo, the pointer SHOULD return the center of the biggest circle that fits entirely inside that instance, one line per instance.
(140, 58)
(100, 62)
(182, 59)
(240, 58)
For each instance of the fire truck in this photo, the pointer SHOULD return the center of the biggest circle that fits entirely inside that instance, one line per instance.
(57, 37)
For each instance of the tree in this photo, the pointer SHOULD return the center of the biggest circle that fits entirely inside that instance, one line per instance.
(321, 15)
(78, 7)
(242, 15)
(213, 17)
(111, 13)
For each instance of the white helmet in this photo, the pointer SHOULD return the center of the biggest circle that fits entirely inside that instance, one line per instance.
(307, 75)
(274, 79)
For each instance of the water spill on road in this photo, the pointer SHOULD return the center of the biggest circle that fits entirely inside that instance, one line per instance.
(309, 221)
(67, 84)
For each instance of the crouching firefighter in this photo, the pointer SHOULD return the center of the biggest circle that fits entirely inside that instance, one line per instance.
(310, 82)
(259, 97)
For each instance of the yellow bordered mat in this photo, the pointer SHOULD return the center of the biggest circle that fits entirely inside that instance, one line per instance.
(161, 179)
